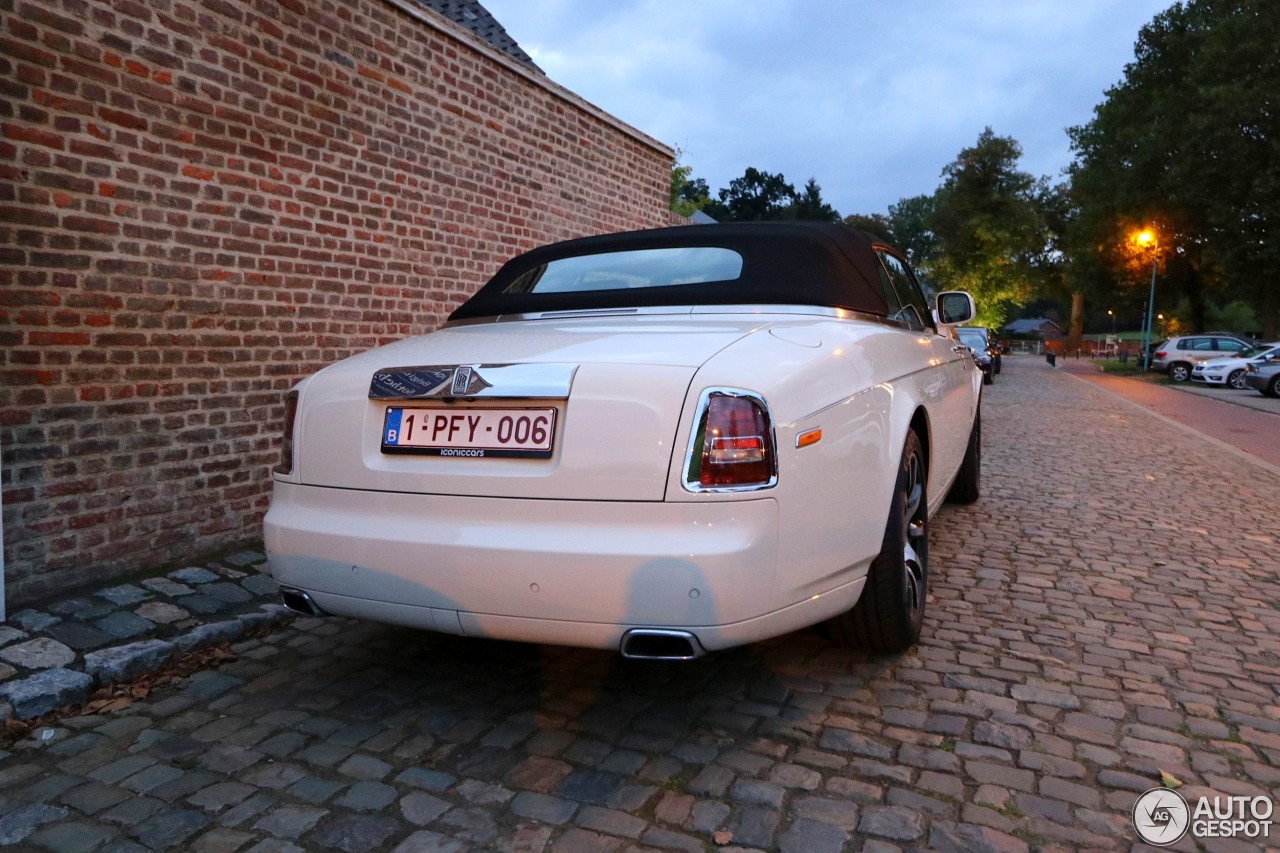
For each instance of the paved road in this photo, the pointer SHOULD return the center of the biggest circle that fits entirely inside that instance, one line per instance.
(1083, 637)
(1244, 420)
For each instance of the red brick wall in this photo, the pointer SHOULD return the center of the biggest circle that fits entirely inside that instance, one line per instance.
(203, 200)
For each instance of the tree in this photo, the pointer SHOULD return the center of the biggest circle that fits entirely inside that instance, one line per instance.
(809, 205)
(988, 229)
(755, 196)
(875, 224)
(1190, 141)
(687, 193)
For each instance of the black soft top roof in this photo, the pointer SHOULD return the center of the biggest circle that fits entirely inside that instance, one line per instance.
(784, 263)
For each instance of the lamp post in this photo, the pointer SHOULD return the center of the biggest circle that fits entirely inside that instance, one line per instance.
(1149, 237)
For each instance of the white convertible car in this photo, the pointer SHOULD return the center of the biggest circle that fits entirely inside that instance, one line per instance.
(664, 442)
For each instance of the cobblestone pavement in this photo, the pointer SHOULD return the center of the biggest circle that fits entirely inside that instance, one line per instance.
(1087, 631)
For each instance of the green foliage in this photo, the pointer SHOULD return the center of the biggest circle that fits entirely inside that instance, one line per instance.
(809, 205)
(755, 196)
(984, 230)
(687, 193)
(875, 224)
(758, 196)
(1190, 140)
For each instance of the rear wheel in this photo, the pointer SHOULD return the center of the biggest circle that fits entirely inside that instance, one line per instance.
(1236, 379)
(1273, 387)
(890, 612)
(1179, 372)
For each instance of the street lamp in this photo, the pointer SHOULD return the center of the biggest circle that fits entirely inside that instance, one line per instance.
(1112, 315)
(1148, 236)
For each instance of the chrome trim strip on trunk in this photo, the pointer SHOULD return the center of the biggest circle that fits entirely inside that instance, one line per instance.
(500, 381)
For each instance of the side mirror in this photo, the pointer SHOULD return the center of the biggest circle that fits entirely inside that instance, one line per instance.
(954, 307)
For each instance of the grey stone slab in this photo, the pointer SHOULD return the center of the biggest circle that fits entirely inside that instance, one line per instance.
(589, 786)
(127, 662)
(421, 808)
(314, 790)
(211, 634)
(165, 586)
(71, 605)
(428, 780)
(123, 625)
(33, 621)
(193, 575)
(548, 809)
(810, 836)
(162, 612)
(46, 691)
(9, 634)
(355, 834)
(290, 821)
(124, 595)
(261, 585)
(367, 797)
(426, 841)
(228, 592)
(93, 797)
(79, 636)
(73, 837)
(171, 828)
(24, 820)
(242, 559)
(205, 605)
(210, 684)
(40, 653)
(132, 811)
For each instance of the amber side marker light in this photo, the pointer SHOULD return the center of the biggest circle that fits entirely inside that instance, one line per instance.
(808, 437)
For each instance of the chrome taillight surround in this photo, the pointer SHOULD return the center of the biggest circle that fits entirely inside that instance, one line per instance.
(695, 454)
(285, 466)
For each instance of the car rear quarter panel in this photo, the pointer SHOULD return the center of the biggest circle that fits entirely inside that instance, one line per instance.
(861, 384)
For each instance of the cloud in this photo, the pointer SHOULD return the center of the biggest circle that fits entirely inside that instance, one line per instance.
(872, 100)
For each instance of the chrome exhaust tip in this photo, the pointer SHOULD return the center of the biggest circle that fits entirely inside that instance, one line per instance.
(660, 644)
(299, 602)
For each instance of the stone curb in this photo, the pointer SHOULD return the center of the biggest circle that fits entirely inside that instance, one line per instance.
(62, 650)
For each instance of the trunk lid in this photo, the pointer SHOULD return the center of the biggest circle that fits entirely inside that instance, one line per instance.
(611, 390)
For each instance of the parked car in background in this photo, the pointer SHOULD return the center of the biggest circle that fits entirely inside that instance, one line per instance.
(662, 442)
(1230, 369)
(984, 353)
(1178, 356)
(1264, 377)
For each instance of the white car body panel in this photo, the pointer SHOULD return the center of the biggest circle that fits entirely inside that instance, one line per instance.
(1216, 371)
(604, 537)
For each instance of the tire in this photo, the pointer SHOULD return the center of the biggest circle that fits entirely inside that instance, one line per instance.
(1180, 372)
(967, 487)
(890, 612)
(1236, 380)
(1273, 388)
(988, 376)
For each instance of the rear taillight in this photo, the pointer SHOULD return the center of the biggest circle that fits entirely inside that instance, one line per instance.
(1161, 354)
(285, 465)
(732, 447)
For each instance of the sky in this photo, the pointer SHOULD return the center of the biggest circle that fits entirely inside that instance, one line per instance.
(871, 99)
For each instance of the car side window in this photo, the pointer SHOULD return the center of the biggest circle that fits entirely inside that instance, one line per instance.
(1232, 346)
(906, 302)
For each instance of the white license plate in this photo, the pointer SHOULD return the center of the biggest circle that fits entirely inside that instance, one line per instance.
(473, 433)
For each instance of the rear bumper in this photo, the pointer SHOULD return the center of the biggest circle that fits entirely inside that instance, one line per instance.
(577, 573)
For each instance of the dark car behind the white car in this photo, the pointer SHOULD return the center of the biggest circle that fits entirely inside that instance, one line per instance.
(978, 342)
(1264, 378)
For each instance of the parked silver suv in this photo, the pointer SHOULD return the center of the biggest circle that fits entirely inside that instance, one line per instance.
(1178, 356)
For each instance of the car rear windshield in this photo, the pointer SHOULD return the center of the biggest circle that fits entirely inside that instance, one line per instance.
(633, 269)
